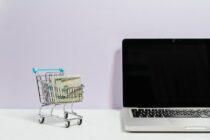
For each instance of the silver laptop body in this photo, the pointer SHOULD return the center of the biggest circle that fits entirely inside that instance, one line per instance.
(166, 85)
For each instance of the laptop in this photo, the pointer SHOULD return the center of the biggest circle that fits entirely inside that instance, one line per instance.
(166, 85)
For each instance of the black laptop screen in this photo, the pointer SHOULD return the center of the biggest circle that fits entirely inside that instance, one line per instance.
(166, 73)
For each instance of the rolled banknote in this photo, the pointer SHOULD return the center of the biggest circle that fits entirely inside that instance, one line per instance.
(67, 89)
(71, 80)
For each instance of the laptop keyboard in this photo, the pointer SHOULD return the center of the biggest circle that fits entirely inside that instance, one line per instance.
(170, 113)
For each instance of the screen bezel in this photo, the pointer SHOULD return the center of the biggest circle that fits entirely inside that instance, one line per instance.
(125, 44)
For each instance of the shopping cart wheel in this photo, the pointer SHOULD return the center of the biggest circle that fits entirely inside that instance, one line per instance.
(67, 124)
(79, 122)
(66, 115)
(41, 120)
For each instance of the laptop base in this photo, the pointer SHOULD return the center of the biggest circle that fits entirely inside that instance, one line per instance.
(132, 124)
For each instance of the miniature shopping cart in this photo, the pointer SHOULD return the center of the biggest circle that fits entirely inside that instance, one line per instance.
(53, 95)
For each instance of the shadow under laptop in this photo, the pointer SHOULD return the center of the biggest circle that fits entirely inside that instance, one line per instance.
(116, 95)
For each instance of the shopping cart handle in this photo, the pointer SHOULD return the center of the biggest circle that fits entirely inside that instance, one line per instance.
(35, 70)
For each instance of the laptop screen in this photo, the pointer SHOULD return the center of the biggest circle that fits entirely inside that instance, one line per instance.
(166, 73)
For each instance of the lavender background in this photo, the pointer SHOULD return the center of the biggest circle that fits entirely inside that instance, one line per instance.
(84, 37)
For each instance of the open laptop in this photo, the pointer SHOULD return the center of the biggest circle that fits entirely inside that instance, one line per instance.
(166, 85)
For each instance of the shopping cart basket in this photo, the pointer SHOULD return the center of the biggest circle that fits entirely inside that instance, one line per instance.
(51, 94)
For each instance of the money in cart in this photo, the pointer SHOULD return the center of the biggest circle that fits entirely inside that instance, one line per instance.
(55, 88)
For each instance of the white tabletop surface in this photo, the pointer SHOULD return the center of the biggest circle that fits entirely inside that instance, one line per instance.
(97, 125)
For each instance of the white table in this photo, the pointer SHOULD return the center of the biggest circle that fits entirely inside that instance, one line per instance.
(97, 124)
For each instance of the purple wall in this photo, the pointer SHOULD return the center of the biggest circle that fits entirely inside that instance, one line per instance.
(84, 36)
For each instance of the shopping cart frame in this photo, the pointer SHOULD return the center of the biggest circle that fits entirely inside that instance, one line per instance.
(44, 75)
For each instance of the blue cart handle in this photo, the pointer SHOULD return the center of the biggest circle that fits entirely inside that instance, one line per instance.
(35, 70)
